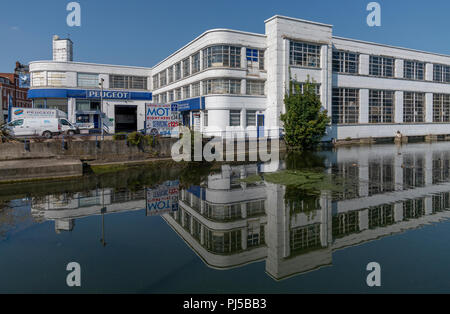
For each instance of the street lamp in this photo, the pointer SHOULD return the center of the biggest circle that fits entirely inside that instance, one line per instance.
(102, 80)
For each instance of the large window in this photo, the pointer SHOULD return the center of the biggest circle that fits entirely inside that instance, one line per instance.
(87, 105)
(255, 58)
(155, 81)
(381, 66)
(251, 118)
(222, 86)
(196, 89)
(235, 117)
(195, 63)
(299, 87)
(222, 56)
(381, 106)
(345, 62)
(163, 78)
(255, 87)
(345, 105)
(414, 70)
(303, 54)
(186, 67)
(54, 103)
(171, 95)
(177, 71)
(56, 79)
(186, 92)
(170, 75)
(441, 73)
(38, 78)
(87, 80)
(413, 107)
(178, 94)
(441, 107)
(128, 82)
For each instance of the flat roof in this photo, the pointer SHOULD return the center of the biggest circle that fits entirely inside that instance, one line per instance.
(92, 64)
(390, 46)
(296, 20)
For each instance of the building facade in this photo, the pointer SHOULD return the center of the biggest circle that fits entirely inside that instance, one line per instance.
(233, 81)
(11, 93)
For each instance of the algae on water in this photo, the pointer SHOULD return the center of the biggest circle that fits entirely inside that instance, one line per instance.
(304, 179)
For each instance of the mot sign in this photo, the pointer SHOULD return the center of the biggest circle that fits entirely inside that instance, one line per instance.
(162, 119)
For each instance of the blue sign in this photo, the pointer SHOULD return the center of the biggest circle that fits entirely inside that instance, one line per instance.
(107, 94)
(87, 94)
(191, 104)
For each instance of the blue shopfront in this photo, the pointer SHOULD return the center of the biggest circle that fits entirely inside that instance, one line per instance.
(90, 108)
(190, 111)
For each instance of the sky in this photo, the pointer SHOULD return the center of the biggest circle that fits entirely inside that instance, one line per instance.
(143, 32)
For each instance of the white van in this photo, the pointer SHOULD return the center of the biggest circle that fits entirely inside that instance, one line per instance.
(41, 127)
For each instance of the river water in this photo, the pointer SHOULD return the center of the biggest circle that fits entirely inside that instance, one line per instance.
(205, 229)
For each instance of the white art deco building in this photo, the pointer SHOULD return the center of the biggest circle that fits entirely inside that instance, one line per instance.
(233, 80)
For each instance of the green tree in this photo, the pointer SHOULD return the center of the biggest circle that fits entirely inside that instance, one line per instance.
(304, 121)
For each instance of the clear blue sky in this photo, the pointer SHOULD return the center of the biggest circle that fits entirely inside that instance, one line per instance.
(143, 32)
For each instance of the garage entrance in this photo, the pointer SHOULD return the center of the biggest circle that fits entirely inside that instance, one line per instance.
(125, 118)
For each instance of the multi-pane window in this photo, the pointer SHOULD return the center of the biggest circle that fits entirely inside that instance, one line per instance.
(413, 107)
(414, 170)
(345, 62)
(163, 78)
(381, 66)
(205, 118)
(222, 56)
(304, 238)
(56, 78)
(155, 81)
(344, 224)
(255, 87)
(255, 58)
(298, 87)
(251, 117)
(195, 63)
(127, 82)
(414, 70)
(381, 106)
(186, 67)
(177, 71)
(345, 106)
(222, 86)
(171, 95)
(87, 80)
(178, 94)
(170, 74)
(186, 92)
(441, 73)
(441, 107)
(235, 117)
(261, 60)
(163, 98)
(155, 99)
(381, 175)
(196, 89)
(37, 79)
(303, 54)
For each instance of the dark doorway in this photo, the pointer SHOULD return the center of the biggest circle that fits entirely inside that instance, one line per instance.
(125, 118)
(186, 118)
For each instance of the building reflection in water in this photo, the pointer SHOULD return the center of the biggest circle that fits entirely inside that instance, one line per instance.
(229, 223)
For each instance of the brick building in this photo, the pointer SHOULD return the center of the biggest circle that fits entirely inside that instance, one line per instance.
(10, 86)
